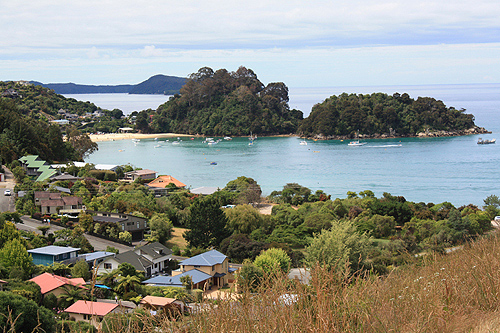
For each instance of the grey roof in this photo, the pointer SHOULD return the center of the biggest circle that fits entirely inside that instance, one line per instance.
(96, 255)
(209, 258)
(205, 190)
(63, 189)
(127, 304)
(108, 219)
(197, 276)
(155, 250)
(139, 262)
(53, 250)
(65, 176)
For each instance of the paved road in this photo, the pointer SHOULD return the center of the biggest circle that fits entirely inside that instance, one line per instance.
(99, 244)
(7, 202)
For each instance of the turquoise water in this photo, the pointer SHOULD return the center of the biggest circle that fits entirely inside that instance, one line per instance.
(452, 169)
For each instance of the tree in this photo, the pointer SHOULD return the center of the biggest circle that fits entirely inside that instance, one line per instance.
(249, 275)
(161, 228)
(128, 269)
(127, 283)
(244, 219)
(14, 255)
(81, 270)
(272, 260)
(187, 282)
(338, 247)
(17, 314)
(125, 236)
(81, 143)
(70, 294)
(207, 224)
(19, 173)
(85, 221)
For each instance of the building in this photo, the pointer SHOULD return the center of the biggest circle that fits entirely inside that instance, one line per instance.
(54, 284)
(157, 304)
(158, 254)
(139, 262)
(48, 255)
(206, 270)
(37, 168)
(54, 203)
(134, 224)
(161, 184)
(140, 174)
(205, 190)
(92, 312)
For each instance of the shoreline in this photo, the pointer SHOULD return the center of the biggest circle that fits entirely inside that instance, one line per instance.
(128, 136)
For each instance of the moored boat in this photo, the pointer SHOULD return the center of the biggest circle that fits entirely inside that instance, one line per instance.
(485, 142)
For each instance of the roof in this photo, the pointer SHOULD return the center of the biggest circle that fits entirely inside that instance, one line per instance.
(205, 190)
(209, 258)
(46, 172)
(139, 262)
(45, 194)
(96, 255)
(157, 301)
(54, 250)
(49, 282)
(65, 176)
(140, 172)
(155, 250)
(108, 219)
(126, 304)
(197, 276)
(163, 181)
(61, 201)
(92, 308)
(62, 189)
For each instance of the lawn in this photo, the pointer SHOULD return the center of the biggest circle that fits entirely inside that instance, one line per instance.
(177, 239)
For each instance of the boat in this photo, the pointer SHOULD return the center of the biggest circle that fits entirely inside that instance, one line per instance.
(485, 142)
(157, 146)
(356, 143)
(303, 143)
(213, 163)
(136, 140)
(228, 138)
(175, 142)
(156, 139)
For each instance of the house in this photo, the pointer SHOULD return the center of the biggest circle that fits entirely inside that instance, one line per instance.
(65, 176)
(54, 203)
(139, 262)
(158, 254)
(92, 312)
(206, 269)
(95, 258)
(205, 190)
(140, 174)
(125, 306)
(161, 304)
(37, 168)
(50, 283)
(161, 184)
(50, 254)
(134, 224)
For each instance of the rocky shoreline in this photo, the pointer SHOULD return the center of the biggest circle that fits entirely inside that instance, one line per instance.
(427, 134)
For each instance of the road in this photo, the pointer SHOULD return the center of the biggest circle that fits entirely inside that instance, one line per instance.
(99, 244)
(7, 202)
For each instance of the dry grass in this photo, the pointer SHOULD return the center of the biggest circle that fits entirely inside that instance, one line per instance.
(177, 238)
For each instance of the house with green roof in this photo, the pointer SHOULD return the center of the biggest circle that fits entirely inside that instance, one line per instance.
(37, 168)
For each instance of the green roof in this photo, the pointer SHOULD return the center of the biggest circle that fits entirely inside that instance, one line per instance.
(28, 159)
(47, 171)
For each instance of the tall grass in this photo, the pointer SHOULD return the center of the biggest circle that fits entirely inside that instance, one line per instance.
(458, 292)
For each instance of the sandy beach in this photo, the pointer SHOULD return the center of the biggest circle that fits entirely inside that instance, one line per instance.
(125, 136)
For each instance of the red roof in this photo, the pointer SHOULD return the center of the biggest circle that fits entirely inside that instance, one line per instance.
(163, 181)
(49, 282)
(157, 301)
(91, 308)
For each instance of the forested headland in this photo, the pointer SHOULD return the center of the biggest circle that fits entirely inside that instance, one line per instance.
(382, 115)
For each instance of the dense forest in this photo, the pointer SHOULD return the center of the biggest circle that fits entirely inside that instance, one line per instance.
(227, 103)
(379, 113)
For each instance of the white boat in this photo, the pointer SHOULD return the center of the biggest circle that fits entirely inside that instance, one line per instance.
(356, 143)
(227, 138)
(175, 142)
(157, 146)
(136, 140)
(303, 143)
(485, 142)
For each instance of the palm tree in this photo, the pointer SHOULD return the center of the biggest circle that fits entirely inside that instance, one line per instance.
(109, 278)
(71, 294)
(127, 283)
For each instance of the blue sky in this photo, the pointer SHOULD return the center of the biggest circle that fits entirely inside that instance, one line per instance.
(301, 43)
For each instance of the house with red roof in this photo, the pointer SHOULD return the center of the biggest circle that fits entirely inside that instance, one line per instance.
(155, 304)
(160, 184)
(50, 283)
(92, 312)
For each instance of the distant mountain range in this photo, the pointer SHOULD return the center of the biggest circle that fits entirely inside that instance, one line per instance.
(157, 84)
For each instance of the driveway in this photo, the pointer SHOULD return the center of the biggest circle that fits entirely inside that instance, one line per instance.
(7, 202)
(99, 244)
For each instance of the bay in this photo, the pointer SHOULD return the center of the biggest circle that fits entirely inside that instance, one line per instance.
(454, 169)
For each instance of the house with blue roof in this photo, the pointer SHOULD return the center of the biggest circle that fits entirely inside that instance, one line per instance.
(207, 269)
(48, 255)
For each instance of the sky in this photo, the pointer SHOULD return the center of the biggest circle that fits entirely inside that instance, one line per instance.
(301, 43)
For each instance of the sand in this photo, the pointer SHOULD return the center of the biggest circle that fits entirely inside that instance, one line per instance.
(128, 136)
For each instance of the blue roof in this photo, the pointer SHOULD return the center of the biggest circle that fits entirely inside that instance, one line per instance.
(175, 281)
(209, 258)
(53, 250)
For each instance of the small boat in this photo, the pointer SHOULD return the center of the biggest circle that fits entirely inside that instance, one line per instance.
(213, 163)
(211, 143)
(485, 142)
(228, 138)
(356, 143)
(175, 142)
(303, 143)
(136, 140)
(156, 139)
(157, 146)
(192, 138)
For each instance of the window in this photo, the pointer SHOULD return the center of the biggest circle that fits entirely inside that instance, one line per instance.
(108, 265)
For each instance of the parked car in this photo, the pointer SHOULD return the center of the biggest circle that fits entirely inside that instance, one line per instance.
(7, 193)
(497, 218)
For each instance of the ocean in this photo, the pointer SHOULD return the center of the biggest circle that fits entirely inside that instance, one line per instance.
(454, 169)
